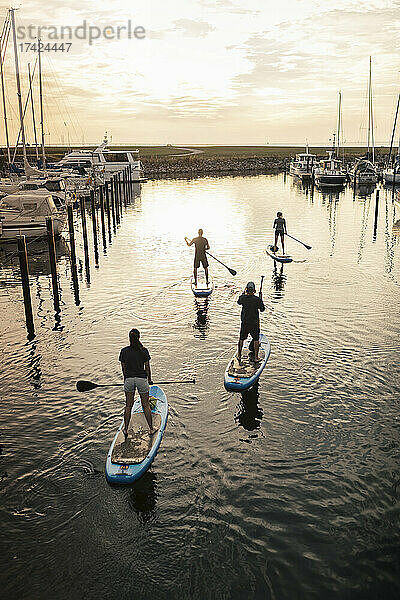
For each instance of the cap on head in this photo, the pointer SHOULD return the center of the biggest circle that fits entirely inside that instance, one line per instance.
(251, 286)
(200, 232)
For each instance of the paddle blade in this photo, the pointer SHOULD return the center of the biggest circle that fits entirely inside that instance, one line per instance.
(232, 271)
(85, 386)
(308, 247)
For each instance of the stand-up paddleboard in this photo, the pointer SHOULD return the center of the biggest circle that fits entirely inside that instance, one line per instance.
(241, 376)
(128, 458)
(283, 258)
(202, 290)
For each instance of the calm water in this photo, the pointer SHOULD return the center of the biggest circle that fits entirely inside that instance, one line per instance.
(290, 491)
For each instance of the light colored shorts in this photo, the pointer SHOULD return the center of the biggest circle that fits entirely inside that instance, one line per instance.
(136, 383)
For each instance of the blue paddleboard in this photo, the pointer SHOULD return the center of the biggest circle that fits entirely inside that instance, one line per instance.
(128, 458)
(240, 377)
(202, 290)
(282, 258)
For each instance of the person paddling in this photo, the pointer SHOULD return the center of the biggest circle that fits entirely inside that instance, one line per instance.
(252, 305)
(135, 363)
(280, 230)
(201, 245)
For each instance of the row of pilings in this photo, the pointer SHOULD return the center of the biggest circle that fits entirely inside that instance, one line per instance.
(106, 201)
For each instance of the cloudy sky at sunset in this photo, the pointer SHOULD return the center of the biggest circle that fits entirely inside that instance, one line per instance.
(217, 72)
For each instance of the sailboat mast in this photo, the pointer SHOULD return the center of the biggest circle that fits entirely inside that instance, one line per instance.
(394, 130)
(3, 45)
(339, 123)
(41, 106)
(21, 116)
(33, 110)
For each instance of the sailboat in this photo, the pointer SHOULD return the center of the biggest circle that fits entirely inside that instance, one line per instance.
(364, 171)
(330, 172)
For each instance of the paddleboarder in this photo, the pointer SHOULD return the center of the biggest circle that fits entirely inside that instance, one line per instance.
(201, 245)
(280, 230)
(135, 363)
(251, 305)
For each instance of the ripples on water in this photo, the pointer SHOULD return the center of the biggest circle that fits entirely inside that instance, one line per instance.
(290, 490)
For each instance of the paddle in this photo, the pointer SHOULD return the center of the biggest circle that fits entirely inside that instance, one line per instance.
(261, 284)
(86, 386)
(231, 271)
(300, 242)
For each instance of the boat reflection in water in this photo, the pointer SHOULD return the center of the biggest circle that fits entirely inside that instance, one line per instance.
(142, 498)
(249, 414)
(202, 320)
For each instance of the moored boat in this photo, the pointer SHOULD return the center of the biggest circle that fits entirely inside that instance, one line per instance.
(25, 214)
(330, 172)
(302, 166)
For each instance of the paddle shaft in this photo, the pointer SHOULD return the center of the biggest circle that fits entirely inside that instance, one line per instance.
(232, 271)
(300, 242)
(261, 284)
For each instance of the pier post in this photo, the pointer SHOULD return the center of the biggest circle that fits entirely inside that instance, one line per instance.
(73, 253)
(94, 222)
(85, 238)
(108, 211)
(376, 214)
(23, 264)
(116, 200)
(394, 179)
(119, 192)
(102, 217)
(113, 212)
(53, 264)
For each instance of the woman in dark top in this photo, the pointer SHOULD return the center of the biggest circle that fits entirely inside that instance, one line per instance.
(135, 363)
(280, 230)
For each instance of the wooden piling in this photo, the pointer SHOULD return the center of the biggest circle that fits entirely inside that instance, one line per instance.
(73, 253)
(108, 211)
(23, 264)
(53, 264)
(113, 211)
(94, 223)
(394, 179)
(85, 238)
(376, 214)
(102, 217)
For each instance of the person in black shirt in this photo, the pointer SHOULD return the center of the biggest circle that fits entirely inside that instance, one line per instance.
(280, 230)
(252, 305)
(135, 363)
(201, 244)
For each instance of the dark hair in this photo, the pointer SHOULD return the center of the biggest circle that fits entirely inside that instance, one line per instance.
(200, 232)
(134, 340)
(278, 214)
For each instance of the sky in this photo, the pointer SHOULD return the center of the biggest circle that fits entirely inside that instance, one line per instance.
(229, 72)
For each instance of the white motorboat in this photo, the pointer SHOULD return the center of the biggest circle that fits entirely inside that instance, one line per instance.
(104, 161)
(302, 166)
(25, 214)
(330, 172)
(55, 185)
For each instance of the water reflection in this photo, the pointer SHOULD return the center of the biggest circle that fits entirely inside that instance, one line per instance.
(33, 360)
(278, 280)
(202, 320)
(143, 498)
(249, 414)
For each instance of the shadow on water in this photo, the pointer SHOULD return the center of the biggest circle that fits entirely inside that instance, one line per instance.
(142, 498)
(202, 320)
(249, 414)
